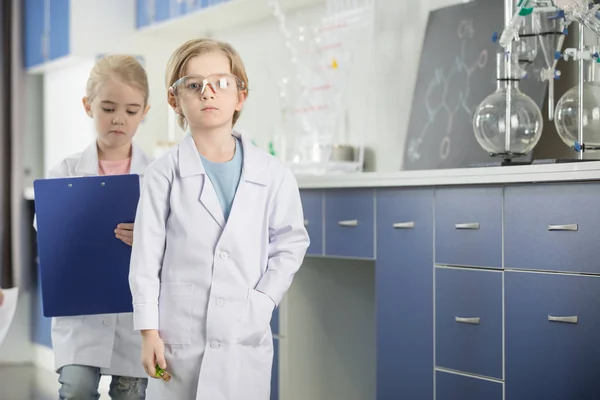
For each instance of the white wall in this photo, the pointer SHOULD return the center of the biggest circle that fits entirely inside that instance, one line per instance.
(381, 114)
(67, 128)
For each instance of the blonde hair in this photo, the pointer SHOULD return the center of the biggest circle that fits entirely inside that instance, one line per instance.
(195, 47)
(125, 68)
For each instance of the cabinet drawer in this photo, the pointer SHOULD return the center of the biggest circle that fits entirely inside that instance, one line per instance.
(468, 321)
(459, 387)
(404, 295)
(552, 327)
(468, 226)
(553, 227)
(312, 205)
(349, 223)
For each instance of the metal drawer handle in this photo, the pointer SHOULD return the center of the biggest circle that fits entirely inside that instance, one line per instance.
(348, 223)
(305, 222)
(472, 321)
(404, 225)
(568, 227)
(568, 320)
(471, 225)
(277, 337)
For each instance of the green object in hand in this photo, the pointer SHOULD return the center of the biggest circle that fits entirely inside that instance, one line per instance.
(163, 374)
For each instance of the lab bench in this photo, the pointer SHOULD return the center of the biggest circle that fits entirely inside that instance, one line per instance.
(472, 284)
(486, 283)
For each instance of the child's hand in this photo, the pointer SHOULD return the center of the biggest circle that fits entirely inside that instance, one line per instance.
(153, 353)
(125, 233)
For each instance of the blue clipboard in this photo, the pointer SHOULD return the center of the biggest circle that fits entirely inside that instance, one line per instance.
(84, 268)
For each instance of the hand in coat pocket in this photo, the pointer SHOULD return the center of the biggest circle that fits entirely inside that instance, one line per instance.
(259, 310)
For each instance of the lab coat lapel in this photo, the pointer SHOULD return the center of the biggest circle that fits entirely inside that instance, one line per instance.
(88, 161)
(254, 172)
(190, 164)
(139, 161)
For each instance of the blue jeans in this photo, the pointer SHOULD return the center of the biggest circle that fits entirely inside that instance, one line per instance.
(80, 382)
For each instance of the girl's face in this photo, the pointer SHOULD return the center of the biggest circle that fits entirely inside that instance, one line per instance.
(208, 94)
(117, 110)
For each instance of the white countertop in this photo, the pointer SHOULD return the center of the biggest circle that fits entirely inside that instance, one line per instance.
(575, 171)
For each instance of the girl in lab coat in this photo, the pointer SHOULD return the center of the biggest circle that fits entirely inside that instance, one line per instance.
(219, 234)
(86, 347)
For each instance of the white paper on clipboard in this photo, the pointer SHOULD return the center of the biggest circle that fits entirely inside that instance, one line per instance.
(7, 311)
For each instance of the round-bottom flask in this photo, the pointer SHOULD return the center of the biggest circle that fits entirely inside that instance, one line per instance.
(566, 118)
(508, 107)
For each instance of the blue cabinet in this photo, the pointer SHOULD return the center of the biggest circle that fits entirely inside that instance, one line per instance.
(149, 12)
(468, 226)
(144, 14)
(59, 39)
(552, 227)
(404, 290)
(275, 368)
(468, 321)
(167, 9)
(47, 31)
(460, 387)
(552, 328)
(350, 223)
(312, 205)
(35, 33)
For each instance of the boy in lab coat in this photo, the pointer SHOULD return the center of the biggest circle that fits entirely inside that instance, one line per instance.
(219, 236)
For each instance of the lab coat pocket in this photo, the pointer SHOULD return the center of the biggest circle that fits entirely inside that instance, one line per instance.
(175, 313)
(256, 325)
(74, 320)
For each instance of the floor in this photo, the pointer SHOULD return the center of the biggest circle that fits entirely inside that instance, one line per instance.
(25, 382)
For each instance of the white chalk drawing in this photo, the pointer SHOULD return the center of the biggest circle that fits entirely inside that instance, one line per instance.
(449, 104)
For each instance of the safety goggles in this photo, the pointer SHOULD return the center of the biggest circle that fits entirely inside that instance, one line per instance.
(195, 85)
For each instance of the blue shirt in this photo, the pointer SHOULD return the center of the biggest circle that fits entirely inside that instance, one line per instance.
(225, 177)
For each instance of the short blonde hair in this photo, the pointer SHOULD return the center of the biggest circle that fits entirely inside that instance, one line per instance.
(125, 68)
(195, 47)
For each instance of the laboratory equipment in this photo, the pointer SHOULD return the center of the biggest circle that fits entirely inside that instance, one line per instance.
(321, 59)
(508, 123)
(567, 111)
(576, 113)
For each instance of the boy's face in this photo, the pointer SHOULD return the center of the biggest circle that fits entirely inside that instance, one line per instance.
(209, 94)
(117, 110)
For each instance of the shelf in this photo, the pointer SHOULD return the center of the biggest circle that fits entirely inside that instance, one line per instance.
(227, 15)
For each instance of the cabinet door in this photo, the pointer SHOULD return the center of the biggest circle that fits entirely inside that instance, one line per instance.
(195, 5)
(275, 368)
(167, 9)
(312, 206)
(468, 226)
(552, 327)
(552, 227)
(450, 386)
(468, 321)
(349, 223)
(144, 13)
(60, 26)
(34, 32)
(404, 282)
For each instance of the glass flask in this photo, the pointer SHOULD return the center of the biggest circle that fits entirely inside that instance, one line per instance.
(566, 118)
(525, 118)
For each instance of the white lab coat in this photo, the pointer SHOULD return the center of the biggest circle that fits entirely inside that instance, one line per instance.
(107, 341)
(210, 288)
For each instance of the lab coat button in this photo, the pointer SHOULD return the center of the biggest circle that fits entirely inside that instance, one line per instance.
(220, 302)
(215, 345)
(224, 255)
(106, 322)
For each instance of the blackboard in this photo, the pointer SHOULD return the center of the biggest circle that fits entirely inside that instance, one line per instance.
(457, 72)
